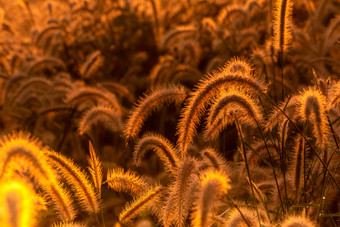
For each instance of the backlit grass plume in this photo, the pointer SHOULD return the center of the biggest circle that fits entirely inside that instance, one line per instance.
(289, 106)
(313, 109)
(152, 101)
(69, 224)
(95, 169)
(214, 158)
(44, 62)
(163, 148)
(61, 199)
(135, 207)
(298, 174)
(34, 82)
(93, 62)
(181, 193)
(230, 102)
(17, 201)
(128, 182)
(21, 150)
(105, 114)
(82, 94)
(239, 65)
(206, 90)
(309, 106)
(213, 185)
(335, 94)
(294, 221)
(77, 178)
(245, 217)
(282, 24)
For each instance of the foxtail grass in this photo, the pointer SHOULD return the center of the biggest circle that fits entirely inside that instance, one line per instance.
(95, 169)
(92, 64)
(282, 26)
(132, 209)
(129, 182)
(245, 217)
(105, 114)
(21, 150)
(163, 148)
(234, 101)
(77, 179)
(301, 221)
(298, 166)
(82, 94)
(181, 193)
(152, 101)
(206, 90)
(213, 185)
(215, 159)
(313, 109)
(18, 202)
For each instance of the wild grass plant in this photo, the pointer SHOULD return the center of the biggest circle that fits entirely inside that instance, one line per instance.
(170, 113)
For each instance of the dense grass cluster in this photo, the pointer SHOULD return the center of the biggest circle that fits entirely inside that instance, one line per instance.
(170, 113)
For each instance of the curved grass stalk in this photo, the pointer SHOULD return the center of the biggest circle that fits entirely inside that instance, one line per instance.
(163, 148)
(312, 108)
(84, 93)
(213, 185)
(20, 149)
(244, 155)
(128, 182)
(77, 179)
(95, 169)
(48, 60)
(134, 208)
(234, 101)
(207, 89)
(91, 65)
(152, 101)
(213, 157)
(297, 221)
(282, 30)
(34, 81)
(105, 114)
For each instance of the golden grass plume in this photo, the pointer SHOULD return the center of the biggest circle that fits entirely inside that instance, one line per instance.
(207, 89)
(129, 182)
(282, 24)
(300, 221)
(152, 101)
(105, 114)
(233, 101)
(77, 179)
(18, 204)
(131, 210)
(313, 109)
(181, 193)
(95, 169)
(21, 150)
(213, 185)
(163, 148)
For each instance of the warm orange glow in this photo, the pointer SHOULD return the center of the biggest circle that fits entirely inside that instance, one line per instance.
(18, 204)
(169, 113)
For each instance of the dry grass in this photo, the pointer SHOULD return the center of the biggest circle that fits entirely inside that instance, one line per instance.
(170, 113)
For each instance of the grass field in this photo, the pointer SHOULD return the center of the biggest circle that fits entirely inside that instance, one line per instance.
(170, 113)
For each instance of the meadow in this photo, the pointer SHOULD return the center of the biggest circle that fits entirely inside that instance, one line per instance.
(170, 113)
